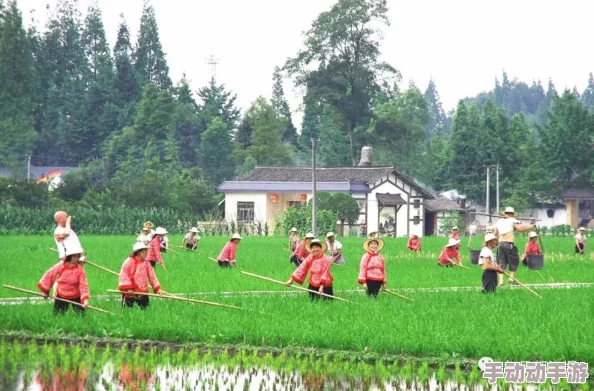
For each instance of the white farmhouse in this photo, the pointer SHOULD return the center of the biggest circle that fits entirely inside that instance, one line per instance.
(389, 201)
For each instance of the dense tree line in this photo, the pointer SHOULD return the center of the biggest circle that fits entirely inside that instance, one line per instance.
(138, 138)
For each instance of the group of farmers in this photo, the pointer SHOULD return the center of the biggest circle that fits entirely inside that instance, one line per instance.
(68, 277)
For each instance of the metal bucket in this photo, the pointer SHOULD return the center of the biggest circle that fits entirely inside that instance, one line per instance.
(535, 262)
(474, 256)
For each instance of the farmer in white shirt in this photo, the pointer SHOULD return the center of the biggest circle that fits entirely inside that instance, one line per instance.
(65, 236)
(334, 248)
(490, 268)
(191, 239)
(507, 252)
(580, 241)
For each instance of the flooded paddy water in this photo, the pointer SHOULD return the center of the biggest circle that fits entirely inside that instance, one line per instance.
(31, 366)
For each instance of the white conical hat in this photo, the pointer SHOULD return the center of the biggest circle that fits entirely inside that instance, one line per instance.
(74, 249)
(453, 242)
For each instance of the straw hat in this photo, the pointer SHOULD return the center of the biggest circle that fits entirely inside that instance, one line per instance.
(194, 229)
(532, 234)
(148, 224)
(316, 241)
(453, 242)
(373, 234)
(511, 210)
(161, 231)
(293, 229)
(380, 244)
(329, 234)
(454, 228)
(74, 250)
(144, 229)
(581, 229)
(489, 237)
(139, 246)
(309, 235)
(236, 236)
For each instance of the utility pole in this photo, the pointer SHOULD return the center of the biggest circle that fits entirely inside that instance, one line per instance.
(213, 62)
(497, 185)
(28, 168)
(314, 222)
(487, 211)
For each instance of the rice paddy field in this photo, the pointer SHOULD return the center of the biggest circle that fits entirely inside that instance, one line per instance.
(449, 319)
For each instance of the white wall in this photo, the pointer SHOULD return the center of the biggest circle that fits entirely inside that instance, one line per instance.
(559, 218)
(259, 200)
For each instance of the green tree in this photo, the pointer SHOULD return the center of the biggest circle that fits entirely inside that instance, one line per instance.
(266, 146)
(588, 95)
(566, 138)
(127, 87)
(149, 58)
(438, 123)
(333, 147)
(187, 123)
(17, 87)
(216, 101)
(343, 45)
(101, 108)
(281, 106)
(398, 130)
(215, 152)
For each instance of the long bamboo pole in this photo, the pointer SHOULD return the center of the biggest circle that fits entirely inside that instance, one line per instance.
(292, 286)
(14, 288)
(397, 294)
(170, 250)
(168, 296)
(522, 285)
(94, 264)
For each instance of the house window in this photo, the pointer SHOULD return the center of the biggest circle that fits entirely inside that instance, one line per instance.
(294, 204)
(245, 211)
(416, 220)
(417, 204)
(550, 213)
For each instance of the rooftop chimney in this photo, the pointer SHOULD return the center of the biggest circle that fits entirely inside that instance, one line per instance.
(366, 157)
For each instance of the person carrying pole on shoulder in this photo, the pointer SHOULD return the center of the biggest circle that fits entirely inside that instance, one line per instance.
(507, 252)
(490, 267)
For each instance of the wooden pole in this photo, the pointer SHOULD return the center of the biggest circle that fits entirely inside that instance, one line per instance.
(169, 296)
(94, 264)
(522, 285)
(293, 286)
(174, 245)
(14, 288)
(399, 295)
(170, 249)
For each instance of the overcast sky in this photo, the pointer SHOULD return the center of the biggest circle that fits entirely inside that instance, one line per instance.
(462, 44)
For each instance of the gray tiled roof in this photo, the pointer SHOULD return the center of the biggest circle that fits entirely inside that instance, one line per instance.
(442, 204)
(578, 194)
(390, 199)
(368, 175)
(257, 186)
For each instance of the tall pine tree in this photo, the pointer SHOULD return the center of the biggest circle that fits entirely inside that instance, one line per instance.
(216, 153)
(17, 86)
(438, 124)
(127, 85)
(281, 106)
(149, 59)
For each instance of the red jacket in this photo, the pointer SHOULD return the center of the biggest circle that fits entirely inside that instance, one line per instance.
(372, 267)
(228, 252)
(414, 244)
(448, 252)
(318, 268)
(154, 252)
(301, 251)
(136, 274)
(72, 281)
